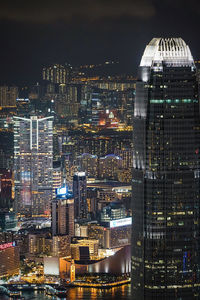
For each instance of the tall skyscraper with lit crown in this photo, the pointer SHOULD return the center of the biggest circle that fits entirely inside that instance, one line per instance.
(33, 165)
(166, 172)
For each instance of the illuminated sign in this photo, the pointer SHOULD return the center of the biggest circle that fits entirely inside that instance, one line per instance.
(80, 174)
(7, 245)
(22, 99)
(61, 191)
(121, 222)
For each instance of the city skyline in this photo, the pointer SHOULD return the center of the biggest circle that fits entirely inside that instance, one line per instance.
(100, 149)
(93, 160)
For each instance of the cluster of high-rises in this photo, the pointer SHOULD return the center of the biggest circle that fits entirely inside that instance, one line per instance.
(94, 161)
(66, 173)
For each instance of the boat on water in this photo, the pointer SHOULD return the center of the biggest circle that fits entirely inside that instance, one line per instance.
(14, 293)
(49, 290)
(61, 291)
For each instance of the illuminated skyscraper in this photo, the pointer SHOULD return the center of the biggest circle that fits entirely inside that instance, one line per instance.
(57, 176)
(9, 260)
(80, 196)
(89, 164)
(63, 213)
(8, 96)
(6, 189)
(166, 172)
(33, 164)
(57, 73)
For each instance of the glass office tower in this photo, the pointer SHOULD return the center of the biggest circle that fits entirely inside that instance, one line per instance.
(166, 172)
(33, 165)
(80, 196)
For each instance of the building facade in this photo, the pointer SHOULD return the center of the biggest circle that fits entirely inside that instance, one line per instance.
(6, 189)
(61, 245)
(118, 233)
(85, 249)
(33, 165)
(165, 205)
(57, 177)
(39, 244)
(80, 196)
(8, 96)
(9, 259)
(55, 73)
(63, 214)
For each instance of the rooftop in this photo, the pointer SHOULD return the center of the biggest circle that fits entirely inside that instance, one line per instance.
(169, 50)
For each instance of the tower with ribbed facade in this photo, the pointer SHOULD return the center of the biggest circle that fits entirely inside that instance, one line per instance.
(166, 172)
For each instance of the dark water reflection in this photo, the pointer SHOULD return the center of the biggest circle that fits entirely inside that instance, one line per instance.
(117, 293)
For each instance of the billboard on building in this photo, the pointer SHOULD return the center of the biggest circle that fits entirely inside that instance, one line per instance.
(121, 222)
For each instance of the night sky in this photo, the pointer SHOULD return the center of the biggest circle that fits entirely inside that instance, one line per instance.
(35, 33)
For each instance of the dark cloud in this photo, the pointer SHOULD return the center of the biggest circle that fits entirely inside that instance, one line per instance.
(36, 33)
(46, 11)
(189, 6)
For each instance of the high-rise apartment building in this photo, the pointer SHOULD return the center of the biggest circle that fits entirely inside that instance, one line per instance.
(33, 164)
(57, 177)
(9, 259)
(8, 96)
(88, 163)
(6, 189)
(166, 172)
(61, 245)
(39, 243)
(56, 73)
(109, 166)
(80, 196)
